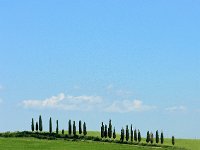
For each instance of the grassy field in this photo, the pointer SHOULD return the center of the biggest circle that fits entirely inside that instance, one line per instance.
(33, 143)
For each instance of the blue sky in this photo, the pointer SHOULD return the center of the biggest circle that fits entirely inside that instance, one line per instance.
(132, 61)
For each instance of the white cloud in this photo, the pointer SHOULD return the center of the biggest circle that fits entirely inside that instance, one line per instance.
(128, 106)
(176, 109)
(67, 102)
(111, 89)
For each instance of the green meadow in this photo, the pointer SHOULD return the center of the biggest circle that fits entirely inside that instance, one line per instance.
(28, 143)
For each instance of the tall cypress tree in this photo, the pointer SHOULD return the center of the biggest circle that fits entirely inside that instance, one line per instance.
(157, 137)
(36, 126)
(148, 137)
(173, 140)
(50, 126)
(110, 129)
(122, 135)
(69, 127)
(135, 135)
(40, 123)
(139, 136)
(84, 129)
(114, 134)
(80, 127)
(127, 133)
(105, 131)
(131, 133)
(74, 128)
(162, 138)
(102, 130)
(32, 125)
(57, 129)
(151, 138)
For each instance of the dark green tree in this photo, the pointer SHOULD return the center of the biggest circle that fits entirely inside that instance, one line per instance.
(110, 129)
(57, 129)
(135, 135)
(114, 134)
(105, 131)
(148, 137)
(36, 126)
(151, 138)
(173, 140)
(131, 133)
(139, 136)
(80, 127)
(69, 127)
(84, 129)
(157, 137)
(50, 126)
(32, 125)
(127, 133)
(63, 131)
(74, 128)
(122, 135)
(40, 123)
(162, 138)
(102, 130)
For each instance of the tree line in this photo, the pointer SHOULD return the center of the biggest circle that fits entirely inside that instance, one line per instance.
(71, 129)
(106, 131)
(130, 135)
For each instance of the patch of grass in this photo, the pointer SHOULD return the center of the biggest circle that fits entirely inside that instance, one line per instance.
(32, 144)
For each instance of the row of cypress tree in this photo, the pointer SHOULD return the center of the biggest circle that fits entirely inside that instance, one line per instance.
(133, 135)
(106, 131)
(39, 126)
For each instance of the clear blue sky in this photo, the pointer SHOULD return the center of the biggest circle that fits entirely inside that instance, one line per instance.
(131, 61)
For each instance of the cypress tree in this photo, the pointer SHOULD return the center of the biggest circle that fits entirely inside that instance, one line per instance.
(110, 129)
(36, 126)
(114, 134)
(162, 138)
(131, 133)
(40, 123)
(139, 136)
(63, 131)
(80, 127)
(148, 137)
(122, 135)
(127, 133)
(105, 131)
(102, 130)
(57, 127)
(151, 138)
(32, 125)
(135, 135)
(50, 126)
(157, 137)
(173, 140)
(69, 127)
(74, 128)
(84, 129)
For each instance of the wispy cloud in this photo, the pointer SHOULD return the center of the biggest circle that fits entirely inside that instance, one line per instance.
(87, 103)
(67, 102)
(128, 106)
(111, 89)
(176, 109)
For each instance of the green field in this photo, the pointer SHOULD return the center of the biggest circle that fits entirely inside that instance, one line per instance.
(33, 143)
